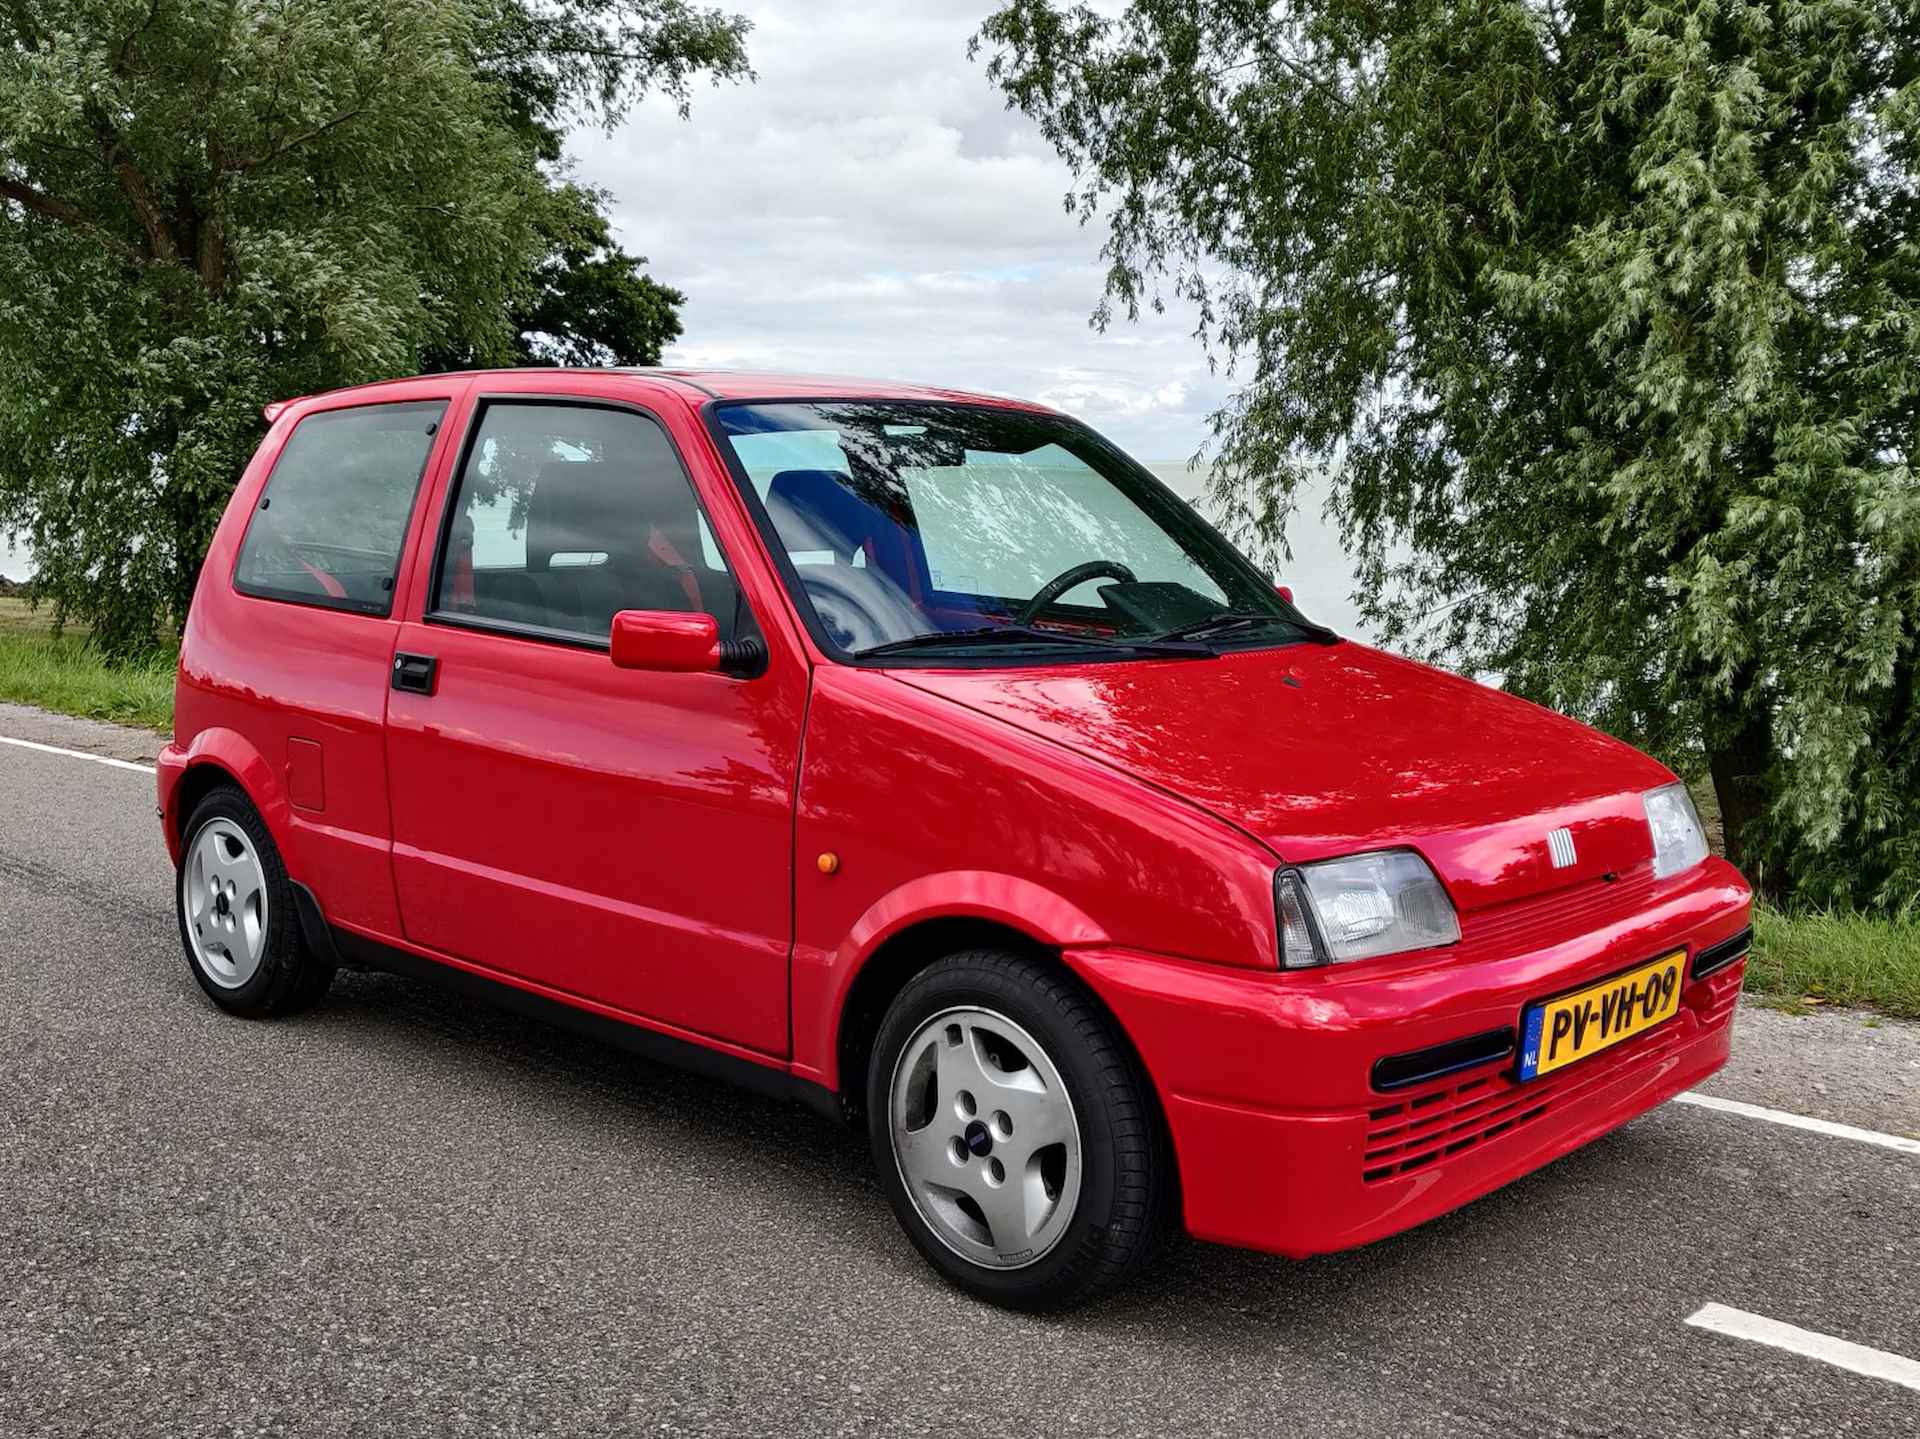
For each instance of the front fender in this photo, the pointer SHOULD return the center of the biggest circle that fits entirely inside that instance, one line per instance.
(1005, 899)
(823, 979)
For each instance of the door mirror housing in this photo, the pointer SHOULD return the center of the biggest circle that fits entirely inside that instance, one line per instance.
(664, 640)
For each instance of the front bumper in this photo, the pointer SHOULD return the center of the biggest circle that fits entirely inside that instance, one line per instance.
(1284, 1145)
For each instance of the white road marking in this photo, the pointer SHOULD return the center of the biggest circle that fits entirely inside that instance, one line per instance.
(77, 754)
(1896, 1142)
(1841, 1353)
(1706, 1101)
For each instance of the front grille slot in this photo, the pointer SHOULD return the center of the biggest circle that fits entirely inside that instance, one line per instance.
(1453, 1118)
(1542, 918)
(1718, 956)
(1723, 994)
(1398, 1071)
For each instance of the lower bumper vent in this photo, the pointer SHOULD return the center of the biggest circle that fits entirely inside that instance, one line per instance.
(1398, 1071)
(1448, 1121)
(1717, 957)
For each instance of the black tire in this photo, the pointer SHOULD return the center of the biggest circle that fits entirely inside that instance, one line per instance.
(289, 977)
(1127, 1186)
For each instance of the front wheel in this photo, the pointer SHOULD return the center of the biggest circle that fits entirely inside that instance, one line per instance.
(1014, 1132)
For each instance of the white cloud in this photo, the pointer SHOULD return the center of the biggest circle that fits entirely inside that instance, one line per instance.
(869, 206)
(1113, 393)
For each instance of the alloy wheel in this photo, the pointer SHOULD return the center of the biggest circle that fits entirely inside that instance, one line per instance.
(985, 1137)
(223, 893)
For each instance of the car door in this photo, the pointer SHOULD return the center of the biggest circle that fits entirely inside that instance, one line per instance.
(617, 836)
(296, 658)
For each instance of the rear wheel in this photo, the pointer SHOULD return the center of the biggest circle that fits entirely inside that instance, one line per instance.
(1014, 1132)
(236, 910)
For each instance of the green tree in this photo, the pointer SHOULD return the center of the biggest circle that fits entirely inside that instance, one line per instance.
(207, 204)
(1604, 317)
(587, 301)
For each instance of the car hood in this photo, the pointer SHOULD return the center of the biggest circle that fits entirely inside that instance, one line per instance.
(1323, 750)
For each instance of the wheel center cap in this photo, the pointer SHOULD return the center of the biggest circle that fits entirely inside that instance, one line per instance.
(979, 1140)
(220, 906)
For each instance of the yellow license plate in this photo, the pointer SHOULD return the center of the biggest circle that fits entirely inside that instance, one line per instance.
(1556, 1032)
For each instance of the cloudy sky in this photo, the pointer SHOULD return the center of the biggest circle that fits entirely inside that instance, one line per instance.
(868, 206)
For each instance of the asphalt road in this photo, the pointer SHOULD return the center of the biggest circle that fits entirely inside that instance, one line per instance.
(402, 1215)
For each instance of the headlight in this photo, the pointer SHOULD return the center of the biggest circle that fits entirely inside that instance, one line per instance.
(1678, 841)
(1371, 904)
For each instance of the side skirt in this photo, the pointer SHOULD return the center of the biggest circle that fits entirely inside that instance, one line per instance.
(357, 951)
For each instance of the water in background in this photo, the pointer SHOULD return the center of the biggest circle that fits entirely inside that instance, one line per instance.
(1321, 578)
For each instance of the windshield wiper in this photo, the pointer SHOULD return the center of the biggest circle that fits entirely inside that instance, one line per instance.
(1227, 621)
(1027, 635)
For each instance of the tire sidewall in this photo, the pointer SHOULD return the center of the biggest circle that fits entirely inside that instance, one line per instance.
(1058, 1276)
(281, 954)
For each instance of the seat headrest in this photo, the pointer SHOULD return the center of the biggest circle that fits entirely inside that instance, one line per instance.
(579, 506)
(815, 510)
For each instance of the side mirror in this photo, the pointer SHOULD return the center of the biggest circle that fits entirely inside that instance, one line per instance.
(665, 640)
(1285, 592)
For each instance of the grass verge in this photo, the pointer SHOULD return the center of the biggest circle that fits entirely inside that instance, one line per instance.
(1804, 960)
(1799, 960)
(65, 673)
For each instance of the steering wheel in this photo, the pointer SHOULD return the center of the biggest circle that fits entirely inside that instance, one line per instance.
(1066, 580)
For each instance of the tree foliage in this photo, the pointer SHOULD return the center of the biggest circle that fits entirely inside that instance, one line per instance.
(1604, 316)
(586, 301)
(208, 204)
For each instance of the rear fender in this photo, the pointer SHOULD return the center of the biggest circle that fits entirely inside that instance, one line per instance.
(234, 756)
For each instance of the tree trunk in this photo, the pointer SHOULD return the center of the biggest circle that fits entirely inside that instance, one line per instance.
(192, 532)
(188, 556)
(1739, 744)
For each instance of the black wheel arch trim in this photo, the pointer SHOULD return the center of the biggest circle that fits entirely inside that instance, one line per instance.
(313, 924)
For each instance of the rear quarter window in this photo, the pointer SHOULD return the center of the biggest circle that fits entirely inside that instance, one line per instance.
(329, 526)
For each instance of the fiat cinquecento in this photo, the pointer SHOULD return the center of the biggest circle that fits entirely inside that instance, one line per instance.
(919, 756)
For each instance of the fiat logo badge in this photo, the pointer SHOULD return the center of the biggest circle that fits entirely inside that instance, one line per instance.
(1560, 846)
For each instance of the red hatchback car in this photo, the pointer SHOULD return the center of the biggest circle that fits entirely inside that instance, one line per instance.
(918, 755)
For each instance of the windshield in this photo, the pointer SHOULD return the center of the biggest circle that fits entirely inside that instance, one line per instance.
(913, 526)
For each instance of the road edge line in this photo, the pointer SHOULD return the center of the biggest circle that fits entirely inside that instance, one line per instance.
(1898, 1143)
(1841, 1353)
(77, 754)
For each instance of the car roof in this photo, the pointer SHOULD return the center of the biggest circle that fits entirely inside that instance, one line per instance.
(720, 384)
(790, 384)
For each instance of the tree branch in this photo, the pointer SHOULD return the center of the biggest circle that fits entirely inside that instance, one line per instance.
(161, 244)
(591, 52)
(23, 25)
(1313, 82)
(242, 163)
(125, 51)
(74, 219)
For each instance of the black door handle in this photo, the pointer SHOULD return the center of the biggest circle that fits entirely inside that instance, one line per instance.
(415, 672)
